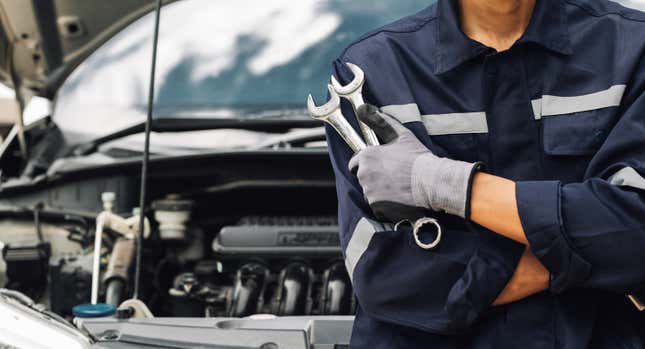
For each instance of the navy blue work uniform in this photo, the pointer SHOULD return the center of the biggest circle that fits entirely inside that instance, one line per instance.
(562, 113)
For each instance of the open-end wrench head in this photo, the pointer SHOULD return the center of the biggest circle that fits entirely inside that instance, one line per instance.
(355, 85)
(326, 109)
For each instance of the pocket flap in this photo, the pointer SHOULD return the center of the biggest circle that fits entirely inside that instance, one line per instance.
(550, 105)
(578, 133)
(577, 125)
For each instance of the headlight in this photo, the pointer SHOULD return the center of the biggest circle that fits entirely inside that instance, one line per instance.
(22, 326)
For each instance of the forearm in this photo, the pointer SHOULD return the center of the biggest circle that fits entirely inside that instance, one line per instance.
(530, 277)
(493, 205)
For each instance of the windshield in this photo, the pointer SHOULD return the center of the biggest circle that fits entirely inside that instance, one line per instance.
(219, 59)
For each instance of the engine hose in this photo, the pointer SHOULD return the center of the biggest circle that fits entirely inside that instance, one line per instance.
(114, 291)
(118, 271)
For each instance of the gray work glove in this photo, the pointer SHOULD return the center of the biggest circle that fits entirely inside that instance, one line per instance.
(401, 177)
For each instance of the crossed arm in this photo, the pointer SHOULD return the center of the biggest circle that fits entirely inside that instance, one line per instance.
(493, 205)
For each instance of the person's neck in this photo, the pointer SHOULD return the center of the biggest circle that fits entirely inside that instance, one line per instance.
(495, 23)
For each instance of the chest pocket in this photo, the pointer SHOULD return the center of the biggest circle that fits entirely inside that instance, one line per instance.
(578, 125)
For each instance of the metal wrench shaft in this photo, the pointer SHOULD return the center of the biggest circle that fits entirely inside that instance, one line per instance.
(357, 100)
(354, 93)
(346, 131)
(330, 113)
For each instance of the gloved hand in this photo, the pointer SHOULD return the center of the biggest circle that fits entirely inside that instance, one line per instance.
(401, 177)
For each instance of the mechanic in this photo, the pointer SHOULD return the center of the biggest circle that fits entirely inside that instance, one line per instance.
(520, 126)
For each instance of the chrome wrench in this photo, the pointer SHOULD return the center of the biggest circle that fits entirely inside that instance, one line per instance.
(354, 93)
(331, 114)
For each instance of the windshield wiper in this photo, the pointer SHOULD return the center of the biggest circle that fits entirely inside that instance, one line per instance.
(268, 125)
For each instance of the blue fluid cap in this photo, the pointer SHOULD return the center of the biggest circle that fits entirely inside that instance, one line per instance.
(93, 310)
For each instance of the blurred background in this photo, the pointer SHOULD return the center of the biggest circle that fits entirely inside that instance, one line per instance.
(217, 59)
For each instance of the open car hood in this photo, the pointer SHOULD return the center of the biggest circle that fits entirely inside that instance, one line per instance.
(41, 42)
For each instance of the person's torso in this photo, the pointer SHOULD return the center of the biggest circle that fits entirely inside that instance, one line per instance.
(529, 113)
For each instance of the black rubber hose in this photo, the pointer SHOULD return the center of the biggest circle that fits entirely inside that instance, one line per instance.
(114, 291)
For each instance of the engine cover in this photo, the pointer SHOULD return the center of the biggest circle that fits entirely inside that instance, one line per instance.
(278, 240)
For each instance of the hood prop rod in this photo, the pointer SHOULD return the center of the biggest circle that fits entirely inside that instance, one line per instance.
(146, 155)
(20, 99)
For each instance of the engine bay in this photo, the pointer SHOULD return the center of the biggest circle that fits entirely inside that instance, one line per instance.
(264, 241)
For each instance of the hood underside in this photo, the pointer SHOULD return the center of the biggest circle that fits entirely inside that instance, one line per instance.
(42, 41)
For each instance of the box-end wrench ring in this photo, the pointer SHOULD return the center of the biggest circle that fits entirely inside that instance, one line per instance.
(426, 224)
(354, 93)
(331, 114)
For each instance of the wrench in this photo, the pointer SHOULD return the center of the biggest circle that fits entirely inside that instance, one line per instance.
(416, 230)
(331, 114)
(354, 93)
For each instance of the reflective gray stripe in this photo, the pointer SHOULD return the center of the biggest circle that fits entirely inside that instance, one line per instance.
(628, 177)
(537, 108)
(404, 112)
(365, 229)
(440, 124)
(555, 105)
(455, 123)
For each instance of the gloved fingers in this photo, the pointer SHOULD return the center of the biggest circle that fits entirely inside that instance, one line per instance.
(353, 168)
(366, 154)
(388, 211)
(385, 126)
(353, 164)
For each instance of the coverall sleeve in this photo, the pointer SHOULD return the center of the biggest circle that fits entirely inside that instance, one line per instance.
(592, 234)
(440, 291)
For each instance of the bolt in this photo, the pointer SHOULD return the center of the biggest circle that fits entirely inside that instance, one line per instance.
(110, 335)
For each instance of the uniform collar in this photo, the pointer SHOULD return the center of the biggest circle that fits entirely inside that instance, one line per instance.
(547, 28)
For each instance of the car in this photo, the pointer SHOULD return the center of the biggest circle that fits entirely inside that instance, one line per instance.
(240, 246)
(240, 238)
